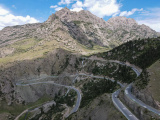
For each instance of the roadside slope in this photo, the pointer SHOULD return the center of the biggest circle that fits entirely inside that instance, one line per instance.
(99, 109)
(154, 83)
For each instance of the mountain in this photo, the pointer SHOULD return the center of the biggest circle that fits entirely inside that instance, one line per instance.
(82, 26)
(80, 32)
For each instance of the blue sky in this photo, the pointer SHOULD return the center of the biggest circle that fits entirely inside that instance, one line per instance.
(17, 12)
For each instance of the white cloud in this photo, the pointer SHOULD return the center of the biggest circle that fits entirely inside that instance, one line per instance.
(125, 13)
(151, 18)
(58, 8)
(8, 19)
(3, 11)
(76, 9)
(100, 8)
(53, 6)
(77, 6)
(65, 2)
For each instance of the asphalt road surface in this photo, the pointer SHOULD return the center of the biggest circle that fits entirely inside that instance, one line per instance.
(121, 107)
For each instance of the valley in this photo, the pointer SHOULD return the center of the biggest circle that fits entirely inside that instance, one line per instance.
(77, 66)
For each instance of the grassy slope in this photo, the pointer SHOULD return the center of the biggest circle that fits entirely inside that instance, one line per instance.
(17, 109)
(154, 83)
(32, 48)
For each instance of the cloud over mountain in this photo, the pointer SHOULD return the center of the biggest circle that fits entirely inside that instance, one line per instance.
(8, 19)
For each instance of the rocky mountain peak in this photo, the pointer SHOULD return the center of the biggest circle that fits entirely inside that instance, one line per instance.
(64, 13)
(65, 9)
(122, 20)
(84, 16)
(59, 14)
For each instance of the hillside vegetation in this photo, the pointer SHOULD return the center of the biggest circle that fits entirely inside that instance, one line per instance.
(142, 53)
(95, 88)
(121, 73)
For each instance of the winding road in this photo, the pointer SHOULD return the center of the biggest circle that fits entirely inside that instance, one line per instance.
(129, 94)
(116, 101)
